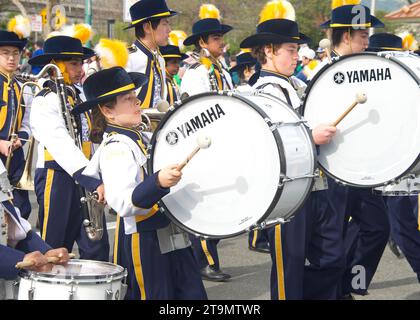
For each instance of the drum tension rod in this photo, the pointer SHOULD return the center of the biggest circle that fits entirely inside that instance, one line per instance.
(284, 179)
(276, 125)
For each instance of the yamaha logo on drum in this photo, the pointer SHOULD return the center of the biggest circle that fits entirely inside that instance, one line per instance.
(339, 78)
(358, 76)
(172, 138)
(194, 124)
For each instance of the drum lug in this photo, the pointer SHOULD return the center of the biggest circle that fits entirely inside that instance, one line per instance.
(71, 292)
(108, 294)
(31, 294)
(15, 289)
(31, 291)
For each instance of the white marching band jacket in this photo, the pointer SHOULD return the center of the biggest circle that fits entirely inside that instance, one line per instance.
(152, 64)
(267, 84)
(196, 80)
(120, 165)
(48, 127)
(288, 90)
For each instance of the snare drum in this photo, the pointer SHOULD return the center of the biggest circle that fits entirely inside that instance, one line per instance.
(78, 280)
(378, 141)
(257, 172)
(407, 186)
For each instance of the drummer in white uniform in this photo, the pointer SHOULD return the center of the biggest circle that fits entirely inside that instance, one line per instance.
(207, 75)
(350, 34)
(157, 255)
(18, 242)
(245, 68)
(307, 257)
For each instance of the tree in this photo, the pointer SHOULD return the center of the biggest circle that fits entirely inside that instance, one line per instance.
(20, 6)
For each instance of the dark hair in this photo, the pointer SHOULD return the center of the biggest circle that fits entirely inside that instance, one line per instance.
(241, 72)
(205, 38)
(337, 35)
(174, 60)
(99, 122)
(259, 52)
(139, 31)
(40, 43)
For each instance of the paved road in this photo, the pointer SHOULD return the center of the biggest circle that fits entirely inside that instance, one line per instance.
(251, 271)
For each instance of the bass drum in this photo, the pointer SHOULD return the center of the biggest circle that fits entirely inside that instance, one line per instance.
(257, 172)
(379, 141)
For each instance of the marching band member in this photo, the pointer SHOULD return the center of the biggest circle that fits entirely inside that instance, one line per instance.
(245, 68)
(18, 242)
(402, 210)
(161, 264)
(207, 75)
(308, 64)
(58, 177)
(151, 24)
(350, 34)
(307, 257)
(12, 43)
(173, 58)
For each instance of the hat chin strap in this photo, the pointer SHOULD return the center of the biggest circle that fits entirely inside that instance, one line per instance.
(207, 54)
(61, 65)
(154, 37)
(351, 47)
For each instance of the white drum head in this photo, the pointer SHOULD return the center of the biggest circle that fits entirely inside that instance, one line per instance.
(379, 140)
(233, 184)
(80, 271)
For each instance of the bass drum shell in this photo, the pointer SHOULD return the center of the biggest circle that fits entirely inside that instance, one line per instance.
(378, 141)
(236, 184)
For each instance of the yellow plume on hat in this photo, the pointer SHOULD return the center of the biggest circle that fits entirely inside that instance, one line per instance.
(177, 37)
(339, 3)
(20, 25)
(81, 31)
(313, 64)
(277, 9)
(246, 50)
(112, 53)
(409, 42)
(209, 11)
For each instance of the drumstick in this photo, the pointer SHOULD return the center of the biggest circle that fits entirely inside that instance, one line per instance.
(30, 263)
(162, 106)
(326, 45)
(361, 98)
(203, 143)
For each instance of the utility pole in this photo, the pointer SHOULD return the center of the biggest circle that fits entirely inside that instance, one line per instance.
(373, 11)
(88, 16)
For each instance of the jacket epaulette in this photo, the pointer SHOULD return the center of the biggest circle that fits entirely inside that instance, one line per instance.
(132, 48)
